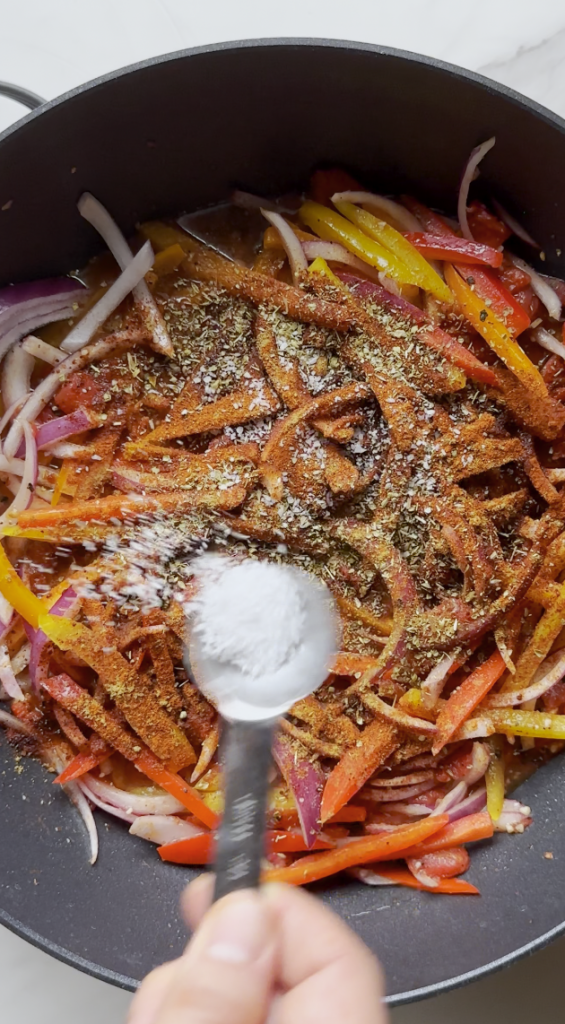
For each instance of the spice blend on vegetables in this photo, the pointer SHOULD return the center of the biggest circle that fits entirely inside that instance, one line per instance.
(379, 400)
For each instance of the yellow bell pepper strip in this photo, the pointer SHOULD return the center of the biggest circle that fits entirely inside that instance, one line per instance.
(30, 607)
(319, 266)
(332, 227)
(422, 273)
(546, 631)
(515, 722)
(378, 741)
(365, 850)
(60, 484)
(494, 779)
(453, 249)
(168, 259)
(465, 699)
(495, 334)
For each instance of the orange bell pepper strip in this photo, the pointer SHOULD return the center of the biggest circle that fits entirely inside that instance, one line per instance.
(453, 249)
(466, 697)
(471, 829)
(168, 260)
(401, 247)
(201, 849)
(365, 850)
(149, 765)
(378, 741)
(348, 815)
(60, 484)
(495, 333)
(332, 227)
(447, 886)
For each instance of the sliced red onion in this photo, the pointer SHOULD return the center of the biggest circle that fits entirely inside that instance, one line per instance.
(540, 286)
(135, 271)
(133, 803)
(68, 450)
(39, 349)
(470, 172)
(479, 763)
(515, 227)
(61, 427)
(451, 799)
(402, 218)
(417, 868)
(435, 680)
(369, 876)
(65, 605)
(163, 828)
(16, 375)
(403, 780)
(411, 810)
(84, 786)
(97, 215)
(548, 341)
(28, 483)
(475, 729)
(7, 677)
(306, 782)
(382, 796)
(514, 817)
(25, 307)
(550, 672)
(11, 722)
(292, 246)
(48, 387)
(472, 804)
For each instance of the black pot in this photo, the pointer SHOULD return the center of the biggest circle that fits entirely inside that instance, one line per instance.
(174, 134)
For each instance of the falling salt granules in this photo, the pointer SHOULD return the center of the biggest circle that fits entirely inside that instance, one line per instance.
(249, 614)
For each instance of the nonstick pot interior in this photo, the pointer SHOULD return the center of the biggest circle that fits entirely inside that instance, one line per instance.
(175, 134)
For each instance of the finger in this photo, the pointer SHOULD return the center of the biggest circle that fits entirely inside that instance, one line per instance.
(227, 972)
(197, 899)
(149, 999)
(325, 970)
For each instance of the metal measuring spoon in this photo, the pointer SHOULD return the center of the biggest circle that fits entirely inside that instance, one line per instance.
(250, 707)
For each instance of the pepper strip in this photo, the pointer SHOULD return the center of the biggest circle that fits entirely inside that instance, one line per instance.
(495, 333)
(466, 697)
(200, 849)
(453, 249)
(378, 741)
(359, 851)
(447, 886)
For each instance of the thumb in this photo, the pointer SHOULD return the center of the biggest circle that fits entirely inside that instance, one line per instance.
(227, 973)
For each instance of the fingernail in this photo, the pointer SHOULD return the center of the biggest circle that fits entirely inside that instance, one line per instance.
(237, 930)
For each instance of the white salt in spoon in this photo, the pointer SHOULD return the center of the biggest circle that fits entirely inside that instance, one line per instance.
(262, 636)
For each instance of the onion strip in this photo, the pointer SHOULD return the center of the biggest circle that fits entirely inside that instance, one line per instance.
(470, 172)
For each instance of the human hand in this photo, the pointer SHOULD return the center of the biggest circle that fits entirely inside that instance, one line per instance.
(272, 957)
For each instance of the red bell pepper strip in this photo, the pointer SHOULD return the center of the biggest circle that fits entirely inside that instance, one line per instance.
(430, 221)
(201, 849)
(448, 886)
(497, 296)
(358, 851)
(466, 697)
(378, 742)
(485, 227)
(85, 761)
(324, 183)
(454, 249)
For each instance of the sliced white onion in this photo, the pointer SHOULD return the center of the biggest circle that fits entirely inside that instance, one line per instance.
(292, 246)
(6, 611)
(339, 254)
(39, 349)
(470, 172)
(369, 876)
(479, 764)
(20, 661)
(11, 722)
(398, 215)
(84, 786)
(435, 680)
(7, 677)
(550, 672)
(514, 225)
(549, 342)
(97, 215)
(134, 273)
(28, 483)
(16, 375)
(555, 476)
(53, 311)
(542, 289)
(68, 450)
(78, 798)
(133, 803)
(48, 387)
(163, 828)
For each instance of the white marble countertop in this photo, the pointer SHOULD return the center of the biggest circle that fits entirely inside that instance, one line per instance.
(52, 46)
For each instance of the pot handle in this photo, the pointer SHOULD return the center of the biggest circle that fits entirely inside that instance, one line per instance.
(15, 92)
